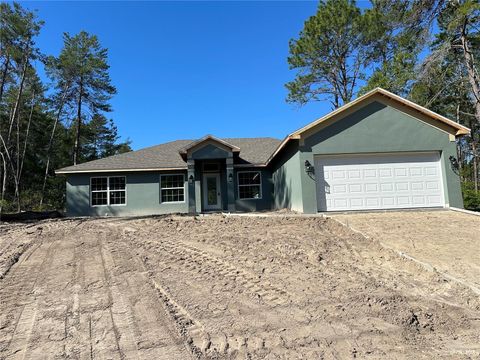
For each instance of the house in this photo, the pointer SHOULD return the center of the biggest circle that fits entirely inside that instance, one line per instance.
(379, 151)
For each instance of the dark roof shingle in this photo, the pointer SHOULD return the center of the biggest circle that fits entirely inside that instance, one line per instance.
(165, 156)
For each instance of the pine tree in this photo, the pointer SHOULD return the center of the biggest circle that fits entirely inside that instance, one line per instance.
(83, 61)
(330, 54)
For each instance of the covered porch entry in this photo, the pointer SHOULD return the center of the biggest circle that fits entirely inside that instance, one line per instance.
(210, 175)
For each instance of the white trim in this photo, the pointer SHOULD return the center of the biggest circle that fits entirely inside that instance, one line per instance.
(260, 185)
(60, 172)
(174, 188)
(107, 191)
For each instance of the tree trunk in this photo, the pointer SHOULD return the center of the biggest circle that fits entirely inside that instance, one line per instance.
(4, 182)
(17, 182)
(76, 149)
(459, 150)
(19, 95)
(475, 165)
(4, 76)
(50, 143)
(472, 78)
(20, 160)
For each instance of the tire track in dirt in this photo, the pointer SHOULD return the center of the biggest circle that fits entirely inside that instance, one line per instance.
(118, 317)
(157, 339)
(18, 285)
(200, 341)
(208, 265)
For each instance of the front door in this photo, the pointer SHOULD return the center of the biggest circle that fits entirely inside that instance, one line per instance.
(212, 196)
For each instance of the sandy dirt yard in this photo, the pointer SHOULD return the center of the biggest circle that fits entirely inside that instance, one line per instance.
(179, 287)
(447, 240)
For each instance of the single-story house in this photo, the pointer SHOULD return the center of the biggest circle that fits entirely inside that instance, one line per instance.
(379, 151)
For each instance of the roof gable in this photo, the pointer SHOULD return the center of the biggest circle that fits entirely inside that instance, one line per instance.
(419, 112)
(416, 111)
(208, 139)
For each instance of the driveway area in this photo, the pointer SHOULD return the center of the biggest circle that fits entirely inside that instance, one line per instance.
(447, 240)
(215, 287)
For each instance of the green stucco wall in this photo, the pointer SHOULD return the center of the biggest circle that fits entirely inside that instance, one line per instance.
(143, 196)
(286, 178)
(209, 151)
(374, 128)
(265, 203)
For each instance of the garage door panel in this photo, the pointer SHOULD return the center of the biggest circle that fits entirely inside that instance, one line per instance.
(354, 174)
(388, 201)
(386, 187)
(355, 188)
(379, 181)
(356, 202)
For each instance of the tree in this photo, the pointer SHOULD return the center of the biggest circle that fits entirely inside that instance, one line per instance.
(331, 54)
(396, 43)
(38, 123)
(102, 138)
(18, 30)
(455, 50)
(84, 62)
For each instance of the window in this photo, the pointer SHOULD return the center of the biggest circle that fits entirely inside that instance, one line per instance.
(108, 190)
(249, 185)
(211, 167)
(172, 188)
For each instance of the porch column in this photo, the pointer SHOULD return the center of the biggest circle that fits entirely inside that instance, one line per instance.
(230, 184)
(191, 186)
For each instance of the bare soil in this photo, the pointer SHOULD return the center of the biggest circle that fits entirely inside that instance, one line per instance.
(179, 287)
(448, 240)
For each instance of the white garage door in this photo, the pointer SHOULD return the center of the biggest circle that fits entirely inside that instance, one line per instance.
(379, 181)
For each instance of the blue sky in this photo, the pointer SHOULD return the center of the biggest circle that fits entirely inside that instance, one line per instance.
(186, 69)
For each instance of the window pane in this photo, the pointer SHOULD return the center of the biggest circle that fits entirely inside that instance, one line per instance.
(171, 181)
(99, 198)
(249, 192)
(117, 183)
(249, 178)
(172, 195)
(99, 183)
(117, 197)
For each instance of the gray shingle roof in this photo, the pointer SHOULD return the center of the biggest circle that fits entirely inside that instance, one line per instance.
(164, 156)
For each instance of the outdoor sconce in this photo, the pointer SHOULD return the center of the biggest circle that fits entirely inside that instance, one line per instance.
(453, 162)
(309, 169)
(230, 177)
(190, 179)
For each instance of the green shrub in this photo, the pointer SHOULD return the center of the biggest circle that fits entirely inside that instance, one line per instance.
(471, 198)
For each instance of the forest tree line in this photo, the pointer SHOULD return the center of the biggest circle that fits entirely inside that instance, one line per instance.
(427, 51)
(45, 125)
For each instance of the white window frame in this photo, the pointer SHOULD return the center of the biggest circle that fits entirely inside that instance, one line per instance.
(108, 190)
(175, 188)
(238, 184)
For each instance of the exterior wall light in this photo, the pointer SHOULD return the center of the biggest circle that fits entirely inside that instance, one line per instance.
(453, 162)
(230, 177)
(190, 179)
(309, 169)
